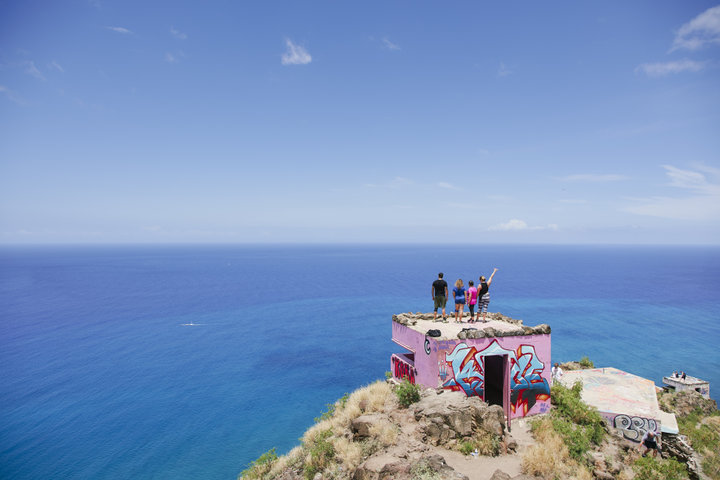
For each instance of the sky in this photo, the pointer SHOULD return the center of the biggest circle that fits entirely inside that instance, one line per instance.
(557, 122)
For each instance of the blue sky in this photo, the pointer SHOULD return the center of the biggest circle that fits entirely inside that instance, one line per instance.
(452, 122)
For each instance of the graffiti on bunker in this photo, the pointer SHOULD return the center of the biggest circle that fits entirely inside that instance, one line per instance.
(402, 369)
(633, 428)
(527, 385)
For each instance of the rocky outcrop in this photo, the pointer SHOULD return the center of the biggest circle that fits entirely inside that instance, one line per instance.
(386, 467)
(500, 475)
(444, 419)
(411, 319)
(677, 446)
(686, 402)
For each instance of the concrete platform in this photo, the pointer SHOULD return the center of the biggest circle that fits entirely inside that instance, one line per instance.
(626, 401)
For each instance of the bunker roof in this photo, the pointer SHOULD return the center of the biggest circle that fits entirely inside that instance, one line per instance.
(497, 325)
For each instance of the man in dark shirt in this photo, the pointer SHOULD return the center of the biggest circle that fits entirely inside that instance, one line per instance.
(439, 295)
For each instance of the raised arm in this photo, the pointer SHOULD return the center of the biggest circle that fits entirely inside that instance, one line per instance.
(491, 276)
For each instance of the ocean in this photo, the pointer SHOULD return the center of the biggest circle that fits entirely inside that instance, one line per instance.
(185, 362)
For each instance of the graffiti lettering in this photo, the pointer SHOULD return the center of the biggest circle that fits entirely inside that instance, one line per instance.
(527, 385)
(402, 369)
(633, 428)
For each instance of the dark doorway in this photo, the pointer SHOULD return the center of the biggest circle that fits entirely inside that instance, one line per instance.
(494, 379)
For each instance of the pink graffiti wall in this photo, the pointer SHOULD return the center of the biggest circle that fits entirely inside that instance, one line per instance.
(458, 365)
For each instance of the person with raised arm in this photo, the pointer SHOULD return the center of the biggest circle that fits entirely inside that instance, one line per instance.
(484, 294)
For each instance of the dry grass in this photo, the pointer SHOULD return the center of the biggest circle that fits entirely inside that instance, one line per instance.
(375, 397)
(549, 458)
(385, 432)
(348, 453)
(291, 458)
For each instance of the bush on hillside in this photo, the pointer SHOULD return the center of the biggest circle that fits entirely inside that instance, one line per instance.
(585, 362)
(261, 466)
(648, 468)
(579, 424)
(320, 453)
(407, 393)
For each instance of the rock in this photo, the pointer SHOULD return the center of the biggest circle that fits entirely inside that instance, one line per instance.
(601, 475)
(512, 444)
(382, 467)
(543, 328)
(597, 459)
(493, 419)
(500, 475)
(437, 464)
(361, 425)
(527, 330)
(318, 476)
(677, 446)
(445, 419)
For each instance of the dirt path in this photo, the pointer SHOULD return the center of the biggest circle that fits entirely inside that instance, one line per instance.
(482, 468)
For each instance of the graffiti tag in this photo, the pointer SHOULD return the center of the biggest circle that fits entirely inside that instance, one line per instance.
(401, 369)
(633, 428)
(527, 385)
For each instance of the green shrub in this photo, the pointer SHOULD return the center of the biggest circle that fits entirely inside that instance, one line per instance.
(422, 470)
(648, 468)
(704, 435)
(260, 467)
(585, 362)
(486, 443)
(388, 375)
(331, 407)
(407, 393)
(321, 452)
(579, 424)
(711, 466)
(466, 447)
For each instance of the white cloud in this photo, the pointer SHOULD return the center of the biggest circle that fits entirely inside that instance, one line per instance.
(503, 71)
(31, 69)
(173, 57)
(703, 202)
(56, 66)
(122, 30)
(295, 54)
(390, 45)
(397, 182)
(178, 34)
(516, 225)
(593, 177)
(448, 186)
(700, 31)
(12, 96)
(662, 69)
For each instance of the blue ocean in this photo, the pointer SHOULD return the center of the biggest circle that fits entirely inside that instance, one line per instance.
(185, 362)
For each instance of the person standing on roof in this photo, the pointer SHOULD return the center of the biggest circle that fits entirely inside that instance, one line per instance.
(484, 294)
(459, 294)
(439, 295)
(471, 297)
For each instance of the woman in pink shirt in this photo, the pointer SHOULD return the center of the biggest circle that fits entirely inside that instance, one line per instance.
(471, 297)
